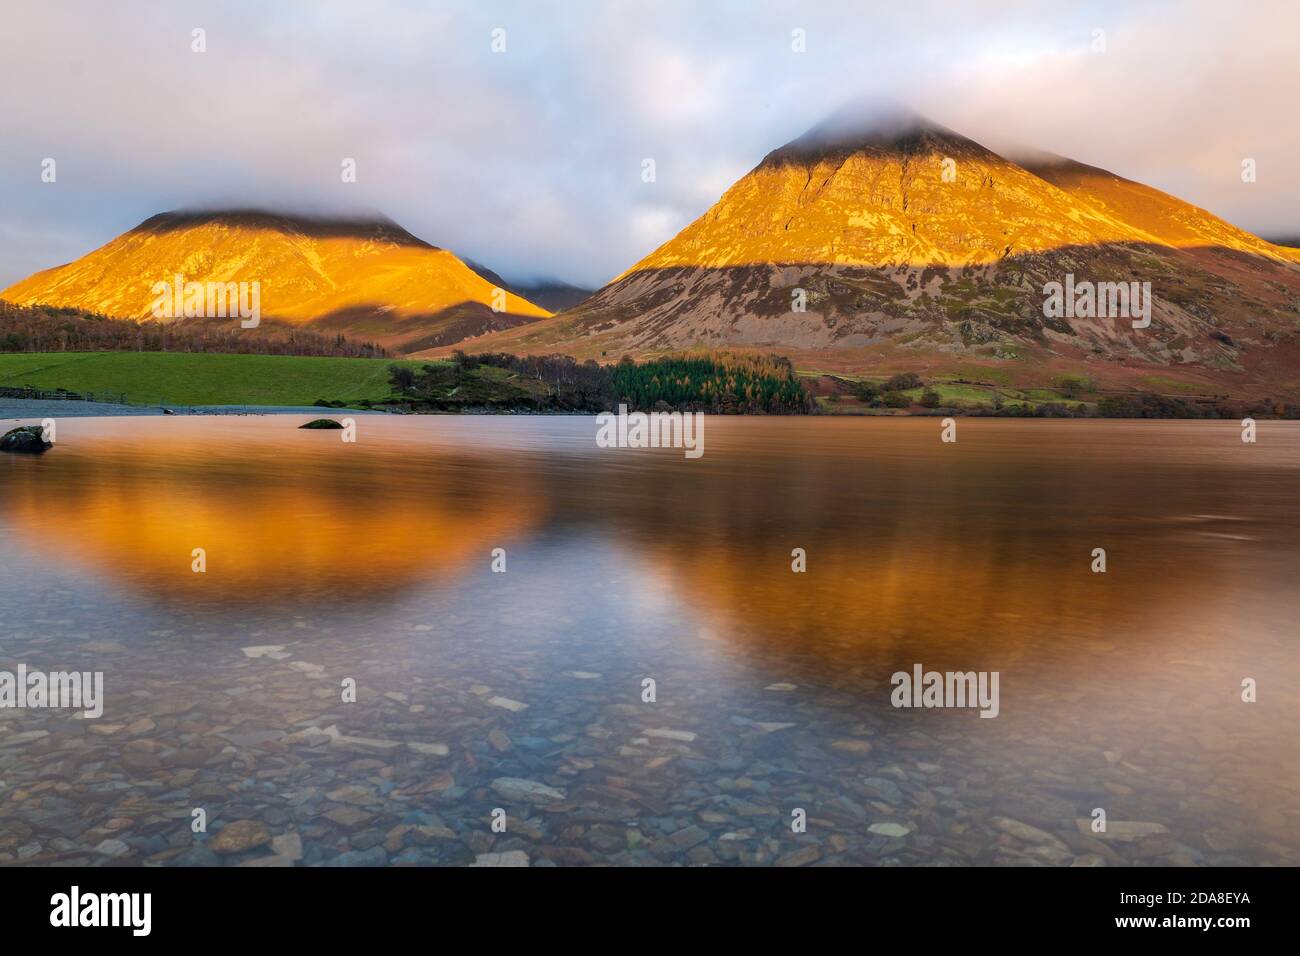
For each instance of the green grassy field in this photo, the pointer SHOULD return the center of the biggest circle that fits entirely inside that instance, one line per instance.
(187, 378)
(960, 395)
(184, 378)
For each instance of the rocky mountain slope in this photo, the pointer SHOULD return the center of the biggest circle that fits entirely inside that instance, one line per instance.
(897, 244)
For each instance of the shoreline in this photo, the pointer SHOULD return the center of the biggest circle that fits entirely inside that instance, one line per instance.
(22, 409)
(17, 410)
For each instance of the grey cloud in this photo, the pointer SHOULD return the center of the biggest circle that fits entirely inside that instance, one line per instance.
(530, 161)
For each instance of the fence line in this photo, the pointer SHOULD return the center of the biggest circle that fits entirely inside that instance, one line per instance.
(59, 395)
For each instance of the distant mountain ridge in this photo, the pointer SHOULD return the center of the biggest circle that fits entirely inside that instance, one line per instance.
(548, 293)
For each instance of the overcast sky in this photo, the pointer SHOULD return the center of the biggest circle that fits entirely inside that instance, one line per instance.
(529, 161)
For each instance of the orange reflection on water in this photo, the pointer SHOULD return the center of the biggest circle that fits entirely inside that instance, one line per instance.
(281, 515)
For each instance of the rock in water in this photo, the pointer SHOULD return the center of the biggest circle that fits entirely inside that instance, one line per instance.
(1122, 831)
(509, 858)
(895, 830)
(1030, 834)
(526, 791)
(322, 423)
(288, 845)
(28, 439)
(239, 836)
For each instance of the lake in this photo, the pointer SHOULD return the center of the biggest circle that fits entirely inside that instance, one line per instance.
(349, 681)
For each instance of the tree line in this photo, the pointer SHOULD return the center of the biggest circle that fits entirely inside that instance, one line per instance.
(721, 383)
(53, 329)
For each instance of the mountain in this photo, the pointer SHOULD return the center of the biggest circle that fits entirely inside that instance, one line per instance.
(918, 249)
(553, 294)
(1161, 218)
(550, 294)
(365, 278)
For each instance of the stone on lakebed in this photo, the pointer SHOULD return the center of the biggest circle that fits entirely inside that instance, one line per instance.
(526, 791)
(239, 836)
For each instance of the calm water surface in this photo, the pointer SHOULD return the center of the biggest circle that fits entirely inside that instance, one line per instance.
(523, 691)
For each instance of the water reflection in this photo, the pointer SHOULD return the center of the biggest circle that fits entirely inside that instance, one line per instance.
(372, 561)
(282, 516)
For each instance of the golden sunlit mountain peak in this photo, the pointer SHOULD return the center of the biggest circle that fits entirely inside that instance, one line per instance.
(881, 238)
(364, 276)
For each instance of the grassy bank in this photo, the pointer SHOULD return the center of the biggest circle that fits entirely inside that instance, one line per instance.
(189, 378)
(717, 383)
(844, 394)
(1069, 396)
(736, 384)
